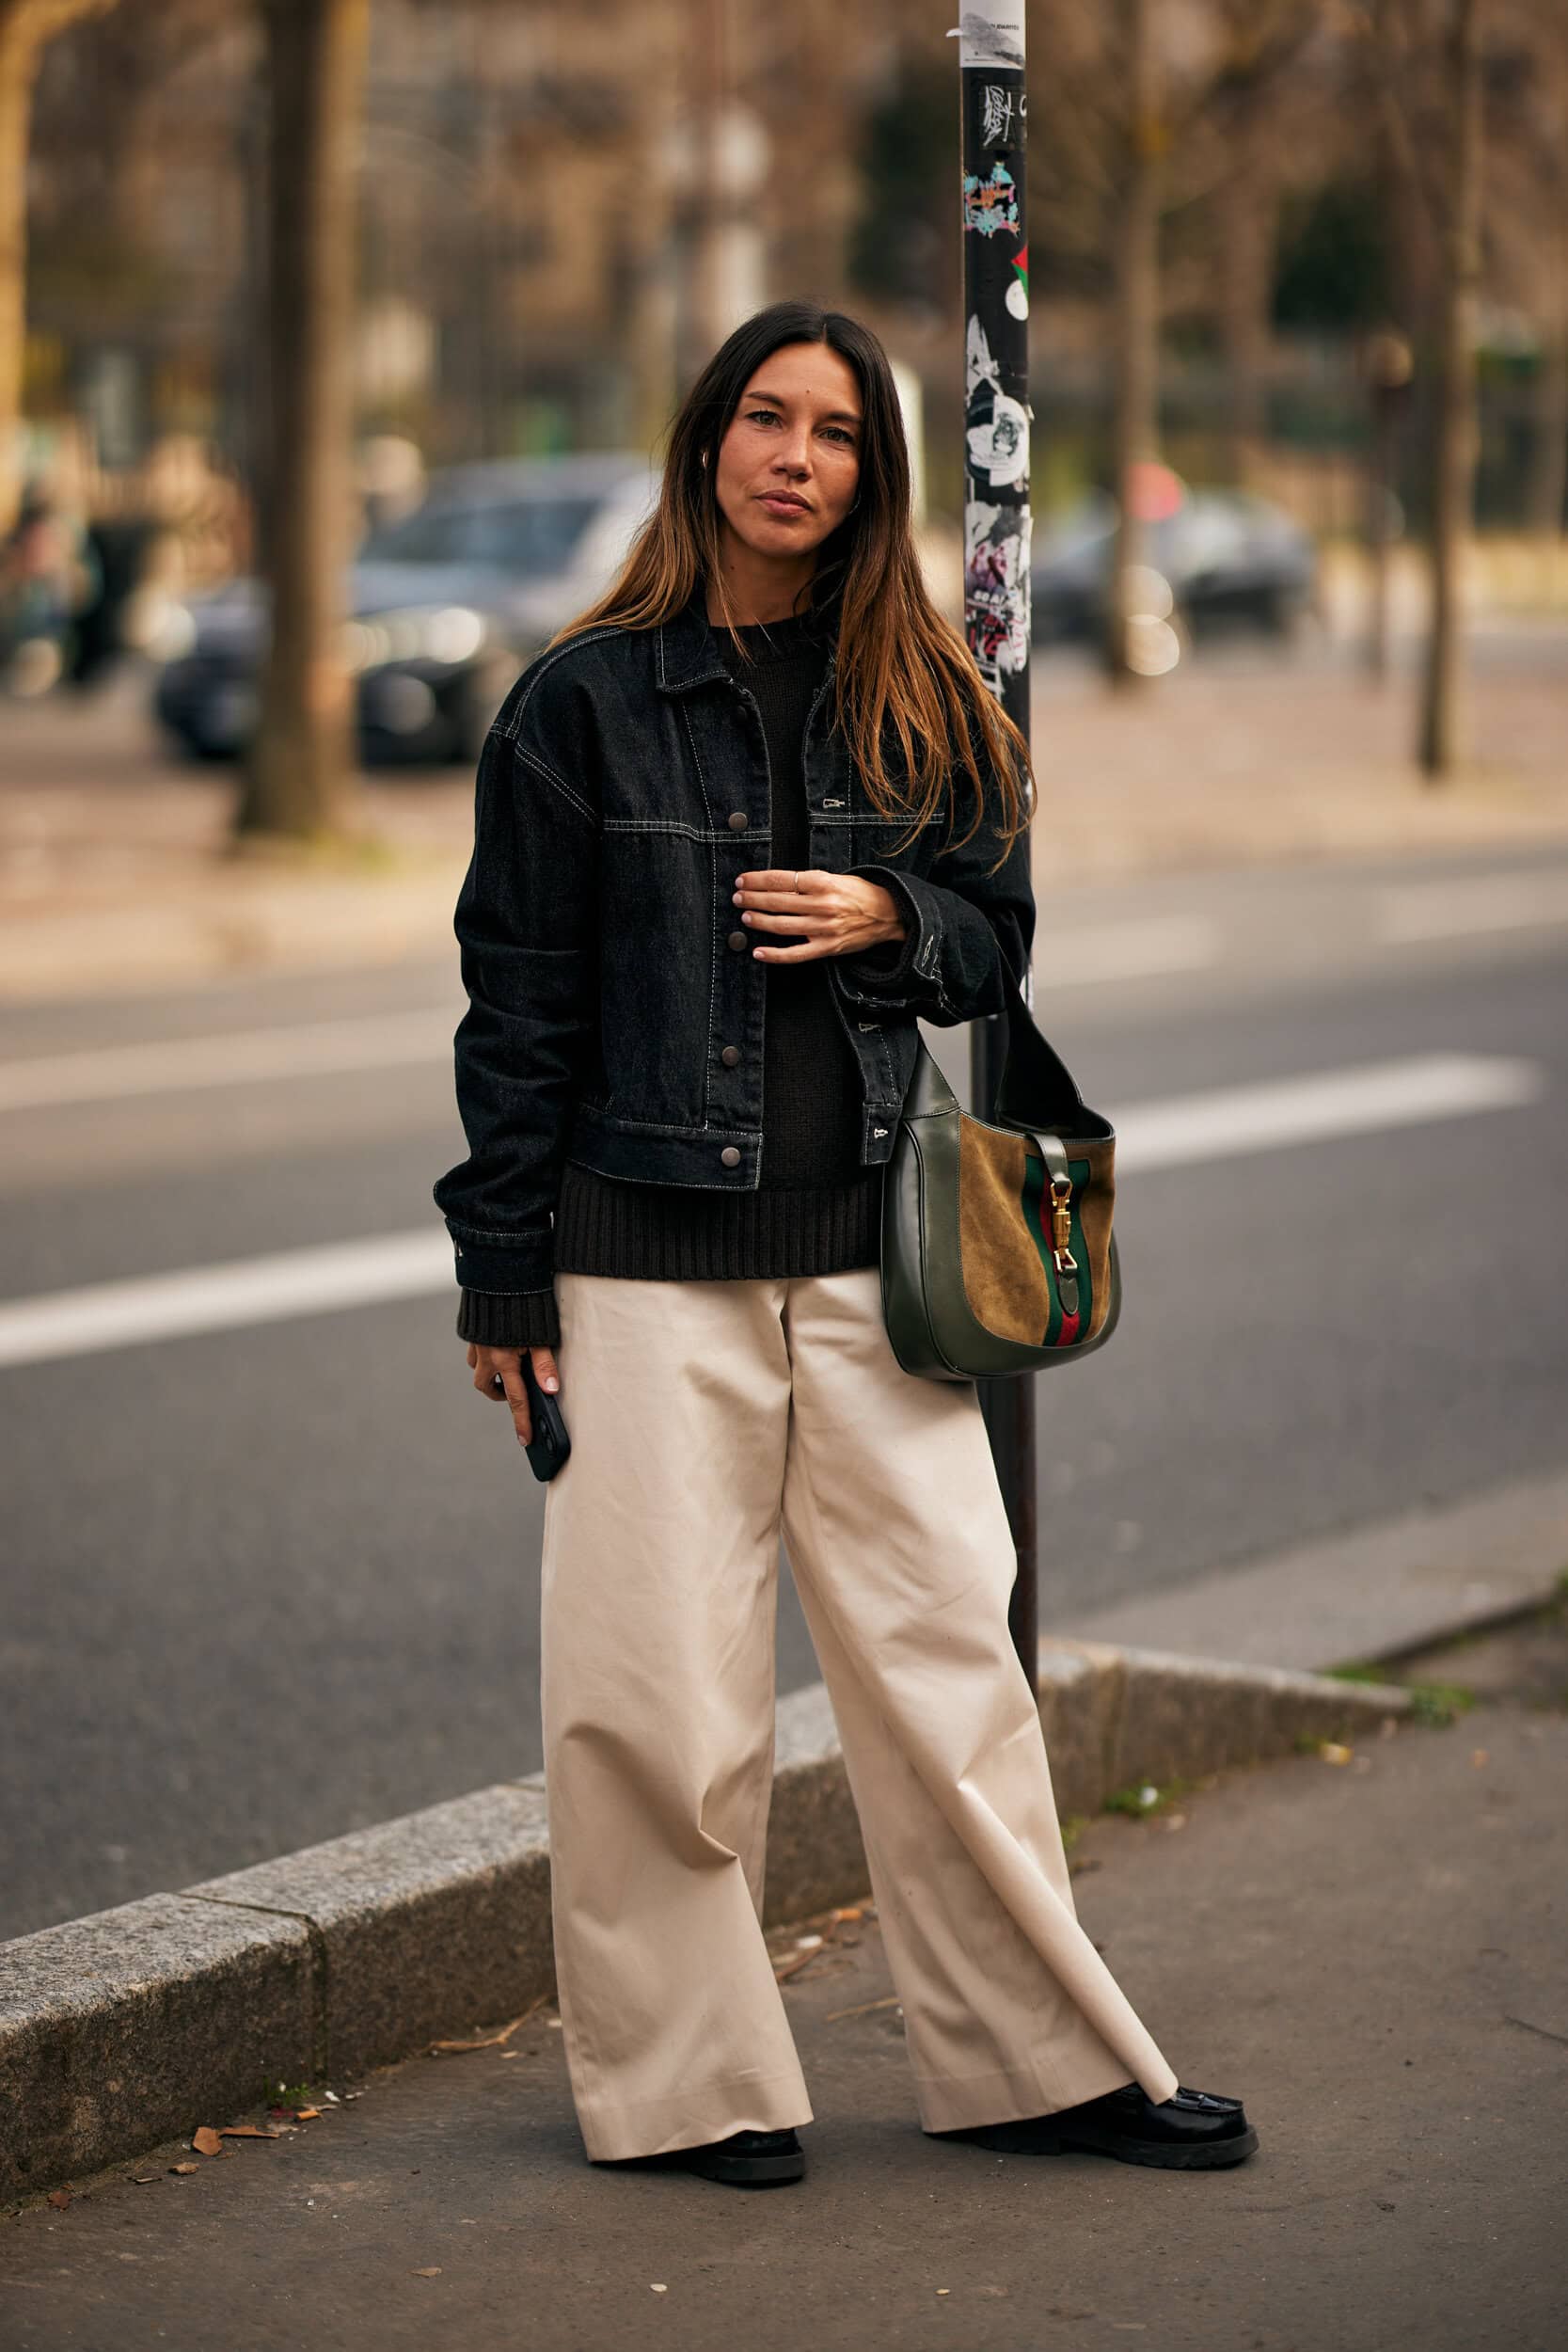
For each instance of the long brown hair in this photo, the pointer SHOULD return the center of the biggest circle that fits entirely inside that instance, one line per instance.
(901, 666)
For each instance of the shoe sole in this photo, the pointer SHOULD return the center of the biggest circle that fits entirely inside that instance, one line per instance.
(1211, 2155)
(750, 2171)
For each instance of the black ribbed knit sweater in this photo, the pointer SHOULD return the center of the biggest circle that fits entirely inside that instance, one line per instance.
(816, 1210)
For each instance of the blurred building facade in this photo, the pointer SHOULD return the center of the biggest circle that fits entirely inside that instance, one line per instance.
(564, 208)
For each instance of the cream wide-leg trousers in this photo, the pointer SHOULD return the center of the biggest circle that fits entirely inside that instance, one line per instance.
(704, 1415)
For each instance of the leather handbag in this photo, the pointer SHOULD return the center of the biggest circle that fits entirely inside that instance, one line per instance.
(997, 1252)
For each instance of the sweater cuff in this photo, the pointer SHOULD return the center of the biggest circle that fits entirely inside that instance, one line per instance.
(509, 1318)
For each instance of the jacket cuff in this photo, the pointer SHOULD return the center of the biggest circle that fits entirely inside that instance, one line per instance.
(518, 1260)
(509, 1318)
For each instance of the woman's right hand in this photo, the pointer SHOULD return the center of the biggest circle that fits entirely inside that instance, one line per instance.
(498, 1374)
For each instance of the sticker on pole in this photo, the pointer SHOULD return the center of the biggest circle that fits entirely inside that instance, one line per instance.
(996, 588)
(996, 426)
(993, 36)
(990, 201)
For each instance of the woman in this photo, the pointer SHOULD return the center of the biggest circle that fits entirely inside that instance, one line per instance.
(738, 829)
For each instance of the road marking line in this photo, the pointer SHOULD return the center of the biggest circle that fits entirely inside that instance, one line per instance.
(228, 1297)
(1185, 1131)
(234, 1058)
(1446, 909)
(309, 1049)
(1195, 1127)
(1125, 951)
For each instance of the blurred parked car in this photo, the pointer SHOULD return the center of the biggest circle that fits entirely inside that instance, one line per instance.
(1225, 555)
(448, 605)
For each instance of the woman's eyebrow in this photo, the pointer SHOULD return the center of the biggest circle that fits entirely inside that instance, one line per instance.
(831, 416)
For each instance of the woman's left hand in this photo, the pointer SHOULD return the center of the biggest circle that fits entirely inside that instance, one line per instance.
(829, 914)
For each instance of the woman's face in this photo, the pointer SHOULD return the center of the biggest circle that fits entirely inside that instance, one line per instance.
(790, 462)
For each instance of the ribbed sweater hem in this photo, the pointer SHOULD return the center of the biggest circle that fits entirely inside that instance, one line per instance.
(657, 1233)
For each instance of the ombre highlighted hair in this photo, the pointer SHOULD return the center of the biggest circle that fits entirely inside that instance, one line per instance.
(905, 675)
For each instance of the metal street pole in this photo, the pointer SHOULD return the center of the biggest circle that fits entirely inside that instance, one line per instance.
(996, 577)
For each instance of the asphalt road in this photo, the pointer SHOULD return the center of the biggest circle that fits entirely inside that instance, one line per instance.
(270, 1581)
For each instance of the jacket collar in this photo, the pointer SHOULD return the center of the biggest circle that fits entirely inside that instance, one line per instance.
(688, 651)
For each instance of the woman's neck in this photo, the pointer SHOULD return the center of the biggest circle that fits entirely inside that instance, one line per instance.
(760, 588)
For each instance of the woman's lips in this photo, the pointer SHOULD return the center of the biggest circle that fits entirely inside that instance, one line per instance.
(783, 505)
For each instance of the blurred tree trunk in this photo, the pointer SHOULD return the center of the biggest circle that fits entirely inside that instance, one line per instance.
(1440, 745)
(1250, 227)
(711, 89)
(26, 28)
(1548, 471)
(300, 779)
(1134, 423)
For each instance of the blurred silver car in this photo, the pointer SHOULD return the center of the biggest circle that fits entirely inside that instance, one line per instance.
(1224, 556)
(447, 605)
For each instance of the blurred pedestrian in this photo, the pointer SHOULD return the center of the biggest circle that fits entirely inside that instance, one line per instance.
(738, 828)
(46, 576)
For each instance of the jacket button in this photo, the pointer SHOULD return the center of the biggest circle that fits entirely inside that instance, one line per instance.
(737, 820)
(730, 1157)
(730, 1055)
(740, 939)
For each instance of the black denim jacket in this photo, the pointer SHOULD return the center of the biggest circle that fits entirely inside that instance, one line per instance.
(622, 789)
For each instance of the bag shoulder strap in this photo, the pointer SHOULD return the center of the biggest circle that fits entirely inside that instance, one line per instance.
(1036, 1088)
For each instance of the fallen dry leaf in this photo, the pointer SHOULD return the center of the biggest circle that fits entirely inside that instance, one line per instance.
(306, 2114)
(206, 2141)
(1480, 1757)
(184, 2167)
(1332, 1753)
(247, 2131)
(431, 2271)
(59, 2198)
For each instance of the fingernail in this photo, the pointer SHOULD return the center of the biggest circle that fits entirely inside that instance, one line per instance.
(552, 1382)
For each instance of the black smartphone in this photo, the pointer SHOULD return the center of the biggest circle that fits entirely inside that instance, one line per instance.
(549, 1444)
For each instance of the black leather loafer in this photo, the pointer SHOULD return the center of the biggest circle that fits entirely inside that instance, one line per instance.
(1196, 2130)
(746, 2159)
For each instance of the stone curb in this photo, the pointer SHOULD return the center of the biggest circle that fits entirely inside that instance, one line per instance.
(133, 2026)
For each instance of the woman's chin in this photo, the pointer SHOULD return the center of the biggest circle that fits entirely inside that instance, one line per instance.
(771, 535)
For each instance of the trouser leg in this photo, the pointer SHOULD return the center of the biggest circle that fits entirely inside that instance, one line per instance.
(657, 1676)
(898, 1537)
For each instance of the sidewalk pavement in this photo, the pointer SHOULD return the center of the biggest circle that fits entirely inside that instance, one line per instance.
(114, 871)
(1369, 1949)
